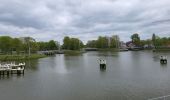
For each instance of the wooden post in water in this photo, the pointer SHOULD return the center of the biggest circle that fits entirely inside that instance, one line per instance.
(7, 72)
(3, 72)
(102, 64)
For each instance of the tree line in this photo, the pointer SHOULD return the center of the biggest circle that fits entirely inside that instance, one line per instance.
(24, 45)
(72, 43)
(9, 45)
(104, 42)
(27, 44)
(154, 40)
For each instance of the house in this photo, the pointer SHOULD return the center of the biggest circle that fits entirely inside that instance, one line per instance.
(122, 44)
(130, 44)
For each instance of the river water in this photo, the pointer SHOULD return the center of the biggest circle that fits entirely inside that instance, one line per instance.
(132, 75)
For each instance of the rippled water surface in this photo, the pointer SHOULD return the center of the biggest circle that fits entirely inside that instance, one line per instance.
(129, 76)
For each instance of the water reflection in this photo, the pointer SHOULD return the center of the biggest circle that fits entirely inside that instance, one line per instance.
(102, 69)
(73, 62)
(128, 76)
(60, 64)
(105, 54)
(11, 76)
(32, 64)
(163, 65)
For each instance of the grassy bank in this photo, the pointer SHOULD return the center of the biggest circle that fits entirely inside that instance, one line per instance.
(109, 49)
(72, 52)
(20, 57)
(161, 50)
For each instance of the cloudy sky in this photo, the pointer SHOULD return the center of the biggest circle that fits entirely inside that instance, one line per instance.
(85, 19)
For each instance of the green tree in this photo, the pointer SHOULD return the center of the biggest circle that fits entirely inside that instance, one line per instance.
(66, 42)
(17, 45)
(28, 44)
(43, 46)
(92, 44)
(102, 42)
(72, 43)
(52, 45)
(136, 39)
(6, 44)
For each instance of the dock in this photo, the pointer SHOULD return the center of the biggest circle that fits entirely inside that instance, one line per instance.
(12, 68)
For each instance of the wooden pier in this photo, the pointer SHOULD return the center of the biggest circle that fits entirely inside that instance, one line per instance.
(10, 69)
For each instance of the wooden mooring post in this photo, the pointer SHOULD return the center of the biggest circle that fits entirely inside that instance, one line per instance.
(163, 60)
(102, 63)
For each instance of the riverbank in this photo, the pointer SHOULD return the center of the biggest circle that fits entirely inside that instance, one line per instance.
(161, 50)
(109, 49)
(73, 52)
(20, 57)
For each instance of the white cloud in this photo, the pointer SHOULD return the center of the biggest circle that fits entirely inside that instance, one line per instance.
(86, 19)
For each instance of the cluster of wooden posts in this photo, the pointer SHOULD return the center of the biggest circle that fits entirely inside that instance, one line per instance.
(163, 60)
(102, 63)
(12, 68)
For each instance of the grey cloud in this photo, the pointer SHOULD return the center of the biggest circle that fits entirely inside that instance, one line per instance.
(54, 19)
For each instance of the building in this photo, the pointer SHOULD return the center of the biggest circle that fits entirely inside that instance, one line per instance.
(122, 45)
(130, 44)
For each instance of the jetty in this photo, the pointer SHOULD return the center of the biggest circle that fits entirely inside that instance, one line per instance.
(12, 68)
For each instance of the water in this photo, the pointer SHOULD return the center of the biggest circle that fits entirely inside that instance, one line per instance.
(129, 75)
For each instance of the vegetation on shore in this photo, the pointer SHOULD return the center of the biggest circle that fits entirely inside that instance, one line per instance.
(26, 45)
(20, 57)
(16, 48)
(109, 49)
(155, 41)
(104, 42)
(72, 43)
(72, 52)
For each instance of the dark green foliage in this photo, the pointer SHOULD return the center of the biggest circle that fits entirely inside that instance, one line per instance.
(72, 43)
(51, 45)
(162, 41)
(92, 44)
(155, 41)
(10, 45)
(103, 42)
(6, 44)
(136, 39)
